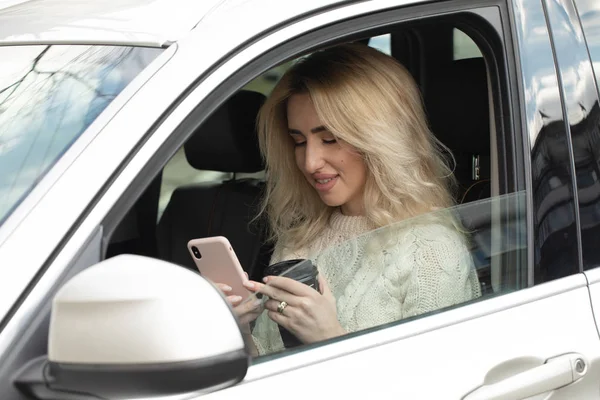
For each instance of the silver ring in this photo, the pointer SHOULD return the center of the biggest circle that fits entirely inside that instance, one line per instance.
(282, 305)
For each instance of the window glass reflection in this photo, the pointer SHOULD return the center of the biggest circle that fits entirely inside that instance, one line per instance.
(409, 269)
(464, 46)
(48, 96)
(589, 14)
(584, 118)
(555, 230)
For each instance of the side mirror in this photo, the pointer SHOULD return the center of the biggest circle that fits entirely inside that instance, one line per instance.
(134, 326)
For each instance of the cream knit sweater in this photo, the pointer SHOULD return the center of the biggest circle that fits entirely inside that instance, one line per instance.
(420, 268)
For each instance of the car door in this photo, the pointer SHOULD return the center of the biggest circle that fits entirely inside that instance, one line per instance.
(508, 346)
(523, 338)
(52, 235)
(533, 332)
(585, 127)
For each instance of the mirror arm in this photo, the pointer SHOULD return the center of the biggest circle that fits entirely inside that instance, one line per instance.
(33, 381)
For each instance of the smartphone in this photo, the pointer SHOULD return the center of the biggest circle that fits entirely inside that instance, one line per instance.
(215, 259)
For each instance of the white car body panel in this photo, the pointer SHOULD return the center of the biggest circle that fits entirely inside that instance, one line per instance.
(593, 277)
(400, 362)
(139, 22)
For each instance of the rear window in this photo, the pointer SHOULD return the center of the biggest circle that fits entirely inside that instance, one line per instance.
(49, 95)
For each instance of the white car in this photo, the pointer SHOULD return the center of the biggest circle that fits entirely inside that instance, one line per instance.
(127, 129)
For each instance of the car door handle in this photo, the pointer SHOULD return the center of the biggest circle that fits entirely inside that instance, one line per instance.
(555, 373)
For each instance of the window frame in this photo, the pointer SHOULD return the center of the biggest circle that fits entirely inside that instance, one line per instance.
(506, 105)
(137, 171)
(594, 74)
(337, 33)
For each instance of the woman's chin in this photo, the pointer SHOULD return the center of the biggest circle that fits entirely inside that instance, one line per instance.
(331, 202)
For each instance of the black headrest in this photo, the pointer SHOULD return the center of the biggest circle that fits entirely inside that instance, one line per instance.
(227, 140)
(457, 106)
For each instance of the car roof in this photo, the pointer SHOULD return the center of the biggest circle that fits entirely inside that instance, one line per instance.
(155, 23)
(125, 22)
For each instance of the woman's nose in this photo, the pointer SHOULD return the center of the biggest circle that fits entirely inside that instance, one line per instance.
(313, 158)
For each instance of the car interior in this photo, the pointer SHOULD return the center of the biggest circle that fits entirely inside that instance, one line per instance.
(217, 185)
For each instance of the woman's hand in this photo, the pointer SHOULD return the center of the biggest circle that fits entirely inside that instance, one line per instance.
(226, 290)
(246, 311)
(311, 316)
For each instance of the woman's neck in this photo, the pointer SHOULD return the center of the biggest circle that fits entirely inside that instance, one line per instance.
(352, 209)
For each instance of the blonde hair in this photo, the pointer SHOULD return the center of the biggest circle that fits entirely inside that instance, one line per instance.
(370, 101)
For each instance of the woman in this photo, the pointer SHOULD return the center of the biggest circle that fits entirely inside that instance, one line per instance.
(348, 150)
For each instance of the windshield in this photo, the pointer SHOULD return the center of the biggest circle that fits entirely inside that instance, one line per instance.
(49, 95)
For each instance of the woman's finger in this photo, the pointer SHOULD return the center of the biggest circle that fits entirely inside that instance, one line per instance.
(251, 285)
(249, 317)
(275, 293)
(324, 286)
(289, 285)
(273, 305)
(234, 300)
(280, 319)
(223, 287)
(251, 305)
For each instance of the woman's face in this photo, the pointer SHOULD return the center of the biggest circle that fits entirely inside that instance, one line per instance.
(336, 171)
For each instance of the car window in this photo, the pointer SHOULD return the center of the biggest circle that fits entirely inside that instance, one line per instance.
(432, 262)
(484, 235)
(418, 266)
(464, 46)
(382, 43)
(589, 14)
(178, 172)
(267, 81)
(49, 95)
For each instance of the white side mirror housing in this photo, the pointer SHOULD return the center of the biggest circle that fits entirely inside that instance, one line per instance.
(134, 326)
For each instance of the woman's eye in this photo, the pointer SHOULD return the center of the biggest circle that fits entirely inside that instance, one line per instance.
(329, 141)
(298, 144)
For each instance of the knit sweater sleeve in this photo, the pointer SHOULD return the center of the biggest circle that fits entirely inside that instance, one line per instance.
(441, 271)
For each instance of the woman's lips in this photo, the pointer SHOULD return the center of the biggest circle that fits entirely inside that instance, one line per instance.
(325, 184)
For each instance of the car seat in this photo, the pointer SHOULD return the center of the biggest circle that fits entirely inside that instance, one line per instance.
(226, 142)
(458, 109)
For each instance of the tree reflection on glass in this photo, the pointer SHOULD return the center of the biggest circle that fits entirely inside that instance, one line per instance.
(49, 95)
